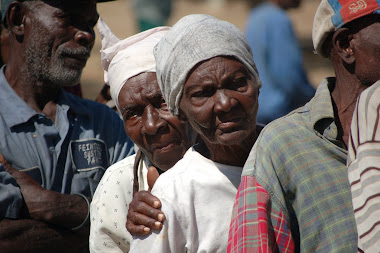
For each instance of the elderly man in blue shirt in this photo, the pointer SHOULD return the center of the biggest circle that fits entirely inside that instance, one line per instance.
(278, 58)
(54, 146)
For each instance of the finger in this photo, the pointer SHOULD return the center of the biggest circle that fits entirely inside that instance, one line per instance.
(139, 219)
(148, 198)
(147, 210)
(152, 176)
(7, 166)
(137, 230)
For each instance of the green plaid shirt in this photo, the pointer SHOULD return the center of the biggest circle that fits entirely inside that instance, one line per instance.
(295, 195)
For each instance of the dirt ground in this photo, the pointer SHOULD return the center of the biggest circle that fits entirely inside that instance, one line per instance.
(119, 17)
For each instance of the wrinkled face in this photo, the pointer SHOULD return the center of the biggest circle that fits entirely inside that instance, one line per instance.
(366, 44)
(59, 39)
(149, 124)
(220, 101)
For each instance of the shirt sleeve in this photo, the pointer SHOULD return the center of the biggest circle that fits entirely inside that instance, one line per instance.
(109, 209)
(171, 238)
(259, 223)
(11, 200)
(364, 168)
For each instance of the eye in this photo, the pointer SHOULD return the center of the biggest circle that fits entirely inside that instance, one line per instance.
(159, 103)
(132, 113)
(205, 92)
(239, 84)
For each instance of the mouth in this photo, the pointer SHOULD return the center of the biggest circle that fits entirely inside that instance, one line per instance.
(79, 57)
(163, 148)
(164, 144)
(229, 124)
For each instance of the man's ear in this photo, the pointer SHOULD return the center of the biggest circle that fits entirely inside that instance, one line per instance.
(342, 45)
(16, 18)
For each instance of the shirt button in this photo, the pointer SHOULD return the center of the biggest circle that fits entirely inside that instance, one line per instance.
(34, 135)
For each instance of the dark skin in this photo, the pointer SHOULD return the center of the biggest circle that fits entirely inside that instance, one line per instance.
(355, 54)
(164, 138)
(147, 121)
(220, 102)
(66, 26)
(354, 51)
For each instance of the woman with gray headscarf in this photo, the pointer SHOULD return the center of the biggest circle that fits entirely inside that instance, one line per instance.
(206, 73)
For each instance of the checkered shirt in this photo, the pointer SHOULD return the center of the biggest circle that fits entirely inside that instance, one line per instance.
(294, 195)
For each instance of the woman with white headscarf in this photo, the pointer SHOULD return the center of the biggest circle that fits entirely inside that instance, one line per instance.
(162, 139)
(206, 72)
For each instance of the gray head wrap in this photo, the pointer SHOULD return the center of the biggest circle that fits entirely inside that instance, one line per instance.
(193, 39)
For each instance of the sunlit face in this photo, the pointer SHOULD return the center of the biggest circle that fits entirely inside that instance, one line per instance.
(220, 101)
(366, 44)
(149, 124)
(59, 39)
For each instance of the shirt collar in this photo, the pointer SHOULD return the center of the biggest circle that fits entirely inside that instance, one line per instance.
(322, 112)
(14, 110)
(76, 105)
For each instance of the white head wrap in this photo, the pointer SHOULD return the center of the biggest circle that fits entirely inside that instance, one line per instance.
(123, 59)
(193, 39)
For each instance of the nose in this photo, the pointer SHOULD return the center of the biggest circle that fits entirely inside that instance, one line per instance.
(223, 101)
(151, 121)
(85, 37)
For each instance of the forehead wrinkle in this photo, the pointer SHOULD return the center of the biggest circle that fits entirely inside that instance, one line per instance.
(220, 71)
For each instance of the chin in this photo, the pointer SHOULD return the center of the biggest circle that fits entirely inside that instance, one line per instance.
(168, 158)
(232, 138)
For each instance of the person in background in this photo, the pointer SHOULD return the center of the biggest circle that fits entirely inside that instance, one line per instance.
(54, 146)
(151, 13)
(363, 168)
(295, 195)
(162, 139)
(279, 59)
(207, 76)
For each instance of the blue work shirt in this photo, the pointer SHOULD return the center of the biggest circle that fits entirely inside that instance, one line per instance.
(279, 61)
(69, 156)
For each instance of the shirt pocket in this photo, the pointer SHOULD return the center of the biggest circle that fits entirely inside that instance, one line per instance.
(90, 160)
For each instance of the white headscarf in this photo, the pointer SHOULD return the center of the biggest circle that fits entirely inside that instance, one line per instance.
(193, 39)
(123, 59)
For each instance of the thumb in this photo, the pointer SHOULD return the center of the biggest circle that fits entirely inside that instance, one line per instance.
(6, 165)
(152, 176)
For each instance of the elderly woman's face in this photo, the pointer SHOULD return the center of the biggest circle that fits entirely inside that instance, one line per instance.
(149, 124)
(220, 101)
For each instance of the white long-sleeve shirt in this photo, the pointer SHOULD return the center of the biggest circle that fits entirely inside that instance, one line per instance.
(197, 197)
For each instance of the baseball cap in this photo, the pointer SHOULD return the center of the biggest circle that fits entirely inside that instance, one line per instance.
(5, 4)
(333, 14)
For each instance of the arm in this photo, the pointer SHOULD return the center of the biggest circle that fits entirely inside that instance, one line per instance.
(109, 207)
(66, 211)
(29, 235)
(48, 215)
(258, 224)
(363, 167)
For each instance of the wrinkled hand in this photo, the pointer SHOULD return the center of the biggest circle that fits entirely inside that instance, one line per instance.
(144, 213)
(34, 195)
